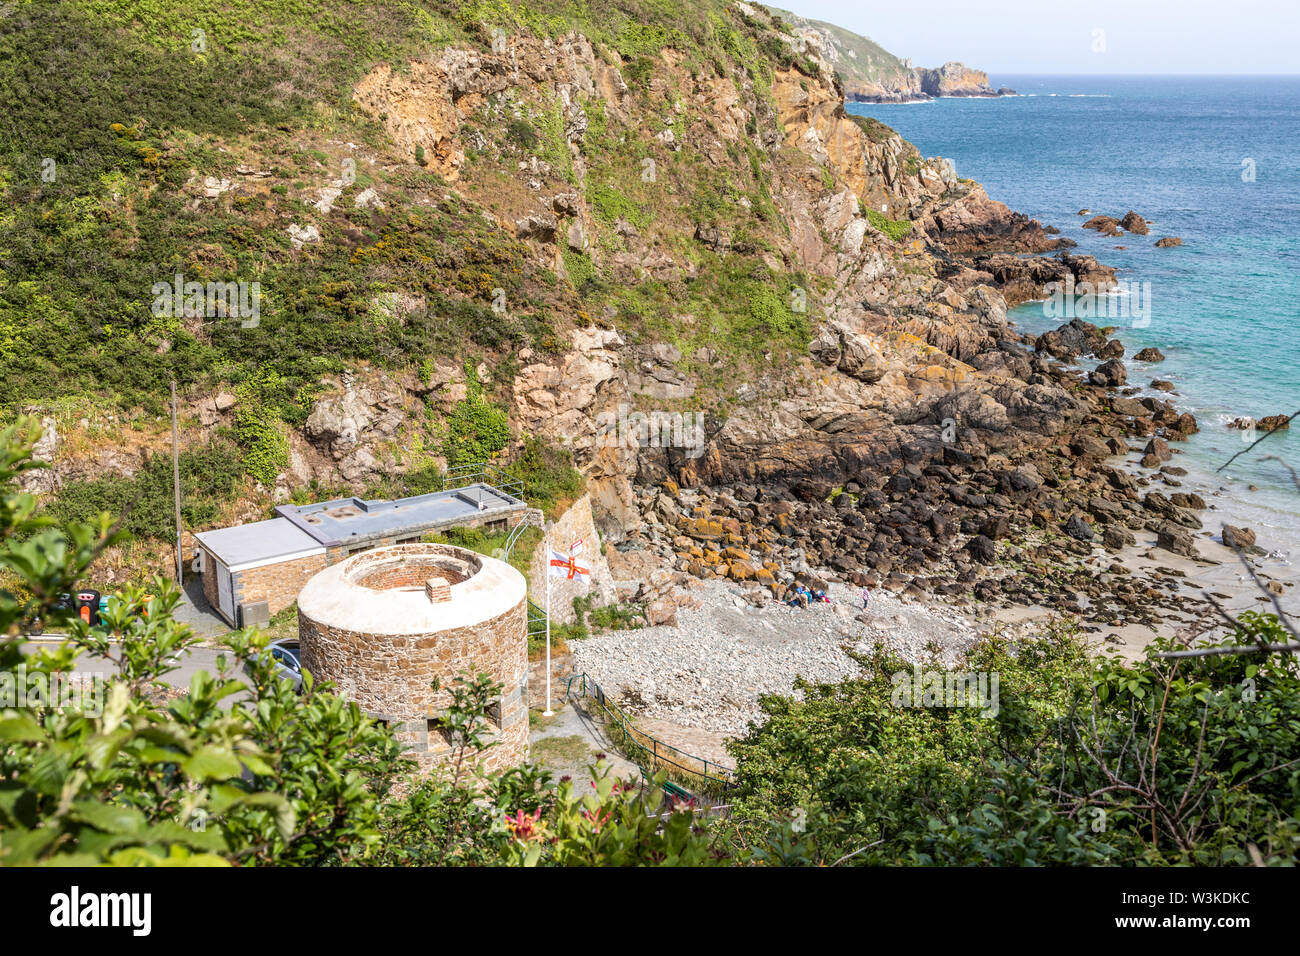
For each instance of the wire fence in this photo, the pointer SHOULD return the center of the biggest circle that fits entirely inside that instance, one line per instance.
(650, 753)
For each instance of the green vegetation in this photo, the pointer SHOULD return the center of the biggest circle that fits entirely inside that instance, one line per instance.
(611, 204)
(209, 476)
(862, 61)
(1071, 760)
(896, 229)
(877, 132)
(610, 617)
(476, 429)
(261, 435)
(549, 478)
(1197, 758)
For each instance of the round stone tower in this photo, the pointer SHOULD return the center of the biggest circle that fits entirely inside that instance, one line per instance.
(384, 623)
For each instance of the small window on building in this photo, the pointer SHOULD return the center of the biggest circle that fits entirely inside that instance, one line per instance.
(493, 714)
(441, 739)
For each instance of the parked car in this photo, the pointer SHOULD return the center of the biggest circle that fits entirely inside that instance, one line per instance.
(287, 665)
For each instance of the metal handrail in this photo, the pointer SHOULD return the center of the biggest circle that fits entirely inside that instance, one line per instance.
(533, 517)
(458, 476)
(714, 776)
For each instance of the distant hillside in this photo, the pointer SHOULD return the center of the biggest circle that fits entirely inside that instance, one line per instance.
(870, 73)
(865, 68)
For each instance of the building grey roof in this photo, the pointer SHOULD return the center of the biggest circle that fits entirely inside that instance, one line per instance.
(354, 521)
(260, 541)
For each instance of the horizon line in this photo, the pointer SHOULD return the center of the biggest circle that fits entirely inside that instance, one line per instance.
(1240, 75)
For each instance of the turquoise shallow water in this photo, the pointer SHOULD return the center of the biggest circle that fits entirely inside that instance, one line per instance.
(1223, 306)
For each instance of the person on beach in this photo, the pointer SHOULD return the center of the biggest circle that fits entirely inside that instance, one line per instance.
(866, 598)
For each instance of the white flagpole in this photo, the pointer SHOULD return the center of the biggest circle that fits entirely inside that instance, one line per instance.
(546, 566)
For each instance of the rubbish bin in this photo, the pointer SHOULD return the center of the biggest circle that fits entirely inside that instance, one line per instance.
(86, 605)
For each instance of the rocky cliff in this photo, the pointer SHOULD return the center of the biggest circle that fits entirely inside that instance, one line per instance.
(770, 334)
(956, 79)
(870, 74)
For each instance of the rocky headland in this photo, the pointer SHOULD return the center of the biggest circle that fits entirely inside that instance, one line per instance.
(870, 74)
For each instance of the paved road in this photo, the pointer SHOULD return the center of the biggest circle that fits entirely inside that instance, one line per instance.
(190, 662)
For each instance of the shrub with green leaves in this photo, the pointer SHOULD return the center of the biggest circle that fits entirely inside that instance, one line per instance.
(209, 475)
(1155, 762)
(476, 428)
(895, 229)
(247, 769)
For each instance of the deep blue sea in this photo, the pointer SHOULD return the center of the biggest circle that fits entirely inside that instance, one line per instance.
(1180, 151)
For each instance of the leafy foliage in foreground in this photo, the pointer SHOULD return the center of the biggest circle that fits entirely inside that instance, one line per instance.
(246, 770)
(1192, 761)
(1153, 763)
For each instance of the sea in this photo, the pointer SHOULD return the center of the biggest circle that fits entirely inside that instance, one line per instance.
(1213, 160)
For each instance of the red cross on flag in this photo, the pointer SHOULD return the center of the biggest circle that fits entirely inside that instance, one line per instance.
(564, 566)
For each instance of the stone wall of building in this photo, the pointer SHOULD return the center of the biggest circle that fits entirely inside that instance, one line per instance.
(210, 580)
(276, 584)
(389, 674)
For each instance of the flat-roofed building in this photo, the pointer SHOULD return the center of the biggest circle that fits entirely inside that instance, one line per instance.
(252, 571)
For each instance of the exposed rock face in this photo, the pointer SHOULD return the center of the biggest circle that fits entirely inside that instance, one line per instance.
(575, 525)
(423, 107)
(39, 480)
(1168, 241)
(955, 79)
(1150, 354)
(980, 224)
(350, 427)
(1022, 279)
(948, 436)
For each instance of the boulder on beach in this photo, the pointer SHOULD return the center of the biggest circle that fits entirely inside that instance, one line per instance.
(1157, 448)
(1135, 223)
(1162, 385)
(1078, 528)
(1269, 423)
(1175, 540)
(1150, 354)
(1238, 539)
(1168, 241)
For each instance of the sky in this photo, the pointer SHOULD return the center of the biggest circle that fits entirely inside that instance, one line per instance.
(1095, 36)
